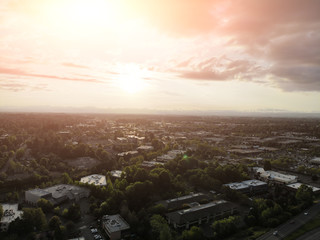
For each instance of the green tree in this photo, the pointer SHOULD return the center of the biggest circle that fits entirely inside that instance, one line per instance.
(304, 195)
(159, 228)
(45, 205)
(1, 211)
(54, 223)
(194, 233)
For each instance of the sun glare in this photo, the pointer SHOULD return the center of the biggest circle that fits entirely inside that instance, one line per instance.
(131, 79)
(81, 16)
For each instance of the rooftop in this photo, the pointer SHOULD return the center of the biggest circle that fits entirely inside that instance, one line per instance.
(201, 207)
(114, 223)
(298, 184)
(116, 173)
(10, 212)
(185, 197)
(95, 179)
(236, 185)
(254, 182)
(39, 192)
(61, 190)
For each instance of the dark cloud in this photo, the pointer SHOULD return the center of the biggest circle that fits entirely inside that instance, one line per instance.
(18, 72)
(222, 69)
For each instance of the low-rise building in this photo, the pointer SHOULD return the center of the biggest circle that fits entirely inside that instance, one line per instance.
(256, 186)
(315, 160)
(115, 226)
(10, 213)
(238, 186)
(248, 186)
(95, 179)
(57, 194)
(145, 148)
(116, 173)
(200, 214)
(295, 187)
(32, 196)
(276, 177)
(178, 202)
(170, 155)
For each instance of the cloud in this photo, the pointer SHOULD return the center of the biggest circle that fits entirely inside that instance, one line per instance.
(17, 72)
(221, 69)
(67, 64)
(19, 86)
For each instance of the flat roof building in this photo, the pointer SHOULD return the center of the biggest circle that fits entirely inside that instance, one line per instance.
(248, 186)
(178, 202)
(295, 186)
(200, 214)
(10, 213)
(95, 179)
(315, 160)
(238, 186)
(276, 177)
(115, 226)
(57, 194)
(116, 173)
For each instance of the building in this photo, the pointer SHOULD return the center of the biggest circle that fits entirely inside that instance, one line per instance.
(10, 213)
(239, 187)
(116, 173)
(315, 160)
(178, 202)
(150, 164)
(276, 177)
(115, 226)
(170, 155)
(248, 186)
(32, 196)
(128, 154)
(57, 194)
(145, 148)
(95, 179)
(200, 214)
(295, 186)
(256, 186)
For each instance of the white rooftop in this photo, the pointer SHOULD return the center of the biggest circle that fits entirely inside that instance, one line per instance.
(114, 223)
(298, 184)
(254, 182)
(236, 185)
(10, 213)
(116, 173)
(95, 179)
(276, 176)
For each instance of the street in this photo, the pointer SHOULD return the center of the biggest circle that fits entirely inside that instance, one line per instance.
(291, 225)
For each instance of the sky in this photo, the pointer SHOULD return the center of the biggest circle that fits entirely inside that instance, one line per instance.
(175, 55)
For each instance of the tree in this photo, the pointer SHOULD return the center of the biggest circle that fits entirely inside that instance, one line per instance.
(45, 205)
(54, 223)
(267, 165)
(225, 227)
(159, 227)
(304, 195)
(1, 211)
(194, 233)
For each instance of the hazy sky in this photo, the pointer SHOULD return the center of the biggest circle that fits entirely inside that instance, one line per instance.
(250, 55)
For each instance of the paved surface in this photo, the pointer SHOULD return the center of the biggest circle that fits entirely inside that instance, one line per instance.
(290, 226)
(312, 235)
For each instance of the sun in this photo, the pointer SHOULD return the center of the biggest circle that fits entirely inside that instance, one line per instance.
(131, 79)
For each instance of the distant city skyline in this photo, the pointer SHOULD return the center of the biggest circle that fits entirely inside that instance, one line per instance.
(160, 56)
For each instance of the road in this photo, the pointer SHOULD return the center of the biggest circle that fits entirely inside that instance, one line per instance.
(290, 226)
(312, 235)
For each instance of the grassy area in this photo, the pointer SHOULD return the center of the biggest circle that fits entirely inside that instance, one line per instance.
(309, 226)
